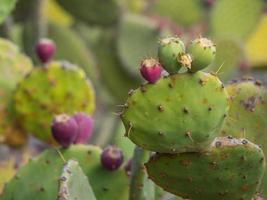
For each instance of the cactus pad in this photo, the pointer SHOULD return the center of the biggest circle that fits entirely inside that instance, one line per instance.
(176, 114)
(54, 89)
(73, 184)
(231, 169)
(39, 178)
(235, 18)
(93, 11)
(247, 113)
(13, 66)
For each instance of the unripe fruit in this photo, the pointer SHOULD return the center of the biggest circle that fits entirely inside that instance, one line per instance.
(150, 70)
(85, 127)
(185, 60)
(168, 52)
(111, 158)
(45, 49)
(202, 51)
(64, 129)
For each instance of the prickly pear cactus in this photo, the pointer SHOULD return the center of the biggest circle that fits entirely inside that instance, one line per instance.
(232, 169)
(56, 88)
(13, 66)
(39, 178)
(92, 11)
(247, 114)
(73, 184)
(177, 113)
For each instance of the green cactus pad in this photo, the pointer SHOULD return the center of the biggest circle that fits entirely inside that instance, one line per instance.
(93, 12)
(248, 112)
(181, 112)
(236, 18)
(80, 55)
(138, 37)
(13, 66)
(169, 50)
(202, 52)
(53, 89)
(73, 184)
(185, 13)
(39, 178)
(231, 169)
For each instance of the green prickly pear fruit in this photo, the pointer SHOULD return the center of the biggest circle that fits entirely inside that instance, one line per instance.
(73, 183)
(169, 50)
(177, 113)
(231, 168)
(56, 88)
(202, 51)
(38, 179)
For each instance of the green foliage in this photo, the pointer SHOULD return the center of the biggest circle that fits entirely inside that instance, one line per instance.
(73, 183)
(5, 8)
(228, 53)
(177, 113)
(231, 169)
(138, 39)
(93, 12)
(72, 48)
(56, 88)
(182, 12)
(235, 18)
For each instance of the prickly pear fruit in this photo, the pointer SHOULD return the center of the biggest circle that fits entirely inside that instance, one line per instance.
(85, 127)
(168, 52)
(203, 53)
(38, 179)
(73, 183)
(231, 168)
(150, 70)
(45, 49)
(56, 88)
(111, 158)
(64, 129)
(176, 114)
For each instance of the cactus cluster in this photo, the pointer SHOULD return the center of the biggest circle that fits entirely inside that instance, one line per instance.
(180, 116)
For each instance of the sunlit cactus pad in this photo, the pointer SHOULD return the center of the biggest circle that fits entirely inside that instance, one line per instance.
(231, 169)
(179, 113)
(56, 88)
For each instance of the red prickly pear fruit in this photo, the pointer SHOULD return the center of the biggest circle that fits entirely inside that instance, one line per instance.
(112, 158)
(151, 70)
(85, 127)
(45, 49)
(128, 167)
(64, 129)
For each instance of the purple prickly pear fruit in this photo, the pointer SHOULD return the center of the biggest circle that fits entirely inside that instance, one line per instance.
(64, 129)
(151, 70)
(128, 167)
(111, 158)
(45, 49)
(85, 127)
